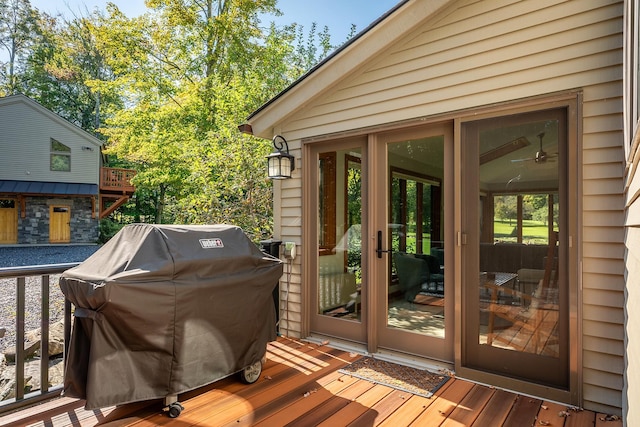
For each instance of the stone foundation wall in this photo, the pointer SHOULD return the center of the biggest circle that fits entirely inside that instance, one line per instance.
(34, 227)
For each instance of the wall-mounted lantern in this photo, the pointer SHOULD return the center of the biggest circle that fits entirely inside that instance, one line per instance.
(280, 163)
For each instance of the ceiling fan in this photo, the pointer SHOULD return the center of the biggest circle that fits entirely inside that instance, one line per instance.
(541, 155)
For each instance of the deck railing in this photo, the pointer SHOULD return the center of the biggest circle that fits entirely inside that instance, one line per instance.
(116, 179)
(20, 274)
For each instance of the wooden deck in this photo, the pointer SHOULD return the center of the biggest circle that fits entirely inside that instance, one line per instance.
(301, 386)
(115, 189)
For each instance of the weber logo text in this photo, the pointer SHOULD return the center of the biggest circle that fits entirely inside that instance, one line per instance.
(211, 243)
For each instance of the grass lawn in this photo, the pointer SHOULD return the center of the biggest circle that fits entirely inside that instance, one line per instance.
(532, 231)
(411, 243)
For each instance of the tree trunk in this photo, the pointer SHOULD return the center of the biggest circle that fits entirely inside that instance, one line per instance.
(160, 204)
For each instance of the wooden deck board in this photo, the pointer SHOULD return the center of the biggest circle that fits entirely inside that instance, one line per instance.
(523, 412)
(408, 412)
(300, 385)
(382, 409)
(359, 406)
(444, 404)
(291, 406)
(332, 405)
(549, 414)
(603, 421)
(470, 407)
(496, 410)
(413, 407)
(238, 401)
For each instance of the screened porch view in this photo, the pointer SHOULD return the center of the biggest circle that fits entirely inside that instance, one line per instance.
(518, 231)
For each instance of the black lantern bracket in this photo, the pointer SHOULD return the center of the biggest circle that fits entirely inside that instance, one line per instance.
(280, 164)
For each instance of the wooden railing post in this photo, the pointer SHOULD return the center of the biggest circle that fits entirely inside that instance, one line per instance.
(20, 307)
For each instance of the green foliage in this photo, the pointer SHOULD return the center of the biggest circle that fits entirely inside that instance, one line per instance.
(108, 229)
(166, 91)
(506, 207)
(180, 130)
(18, 24)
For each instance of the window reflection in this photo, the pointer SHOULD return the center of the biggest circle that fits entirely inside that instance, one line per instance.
(339, 234)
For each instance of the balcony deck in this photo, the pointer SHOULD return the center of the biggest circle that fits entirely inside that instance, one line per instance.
(117, 180)
(115, 189)
(300, 385)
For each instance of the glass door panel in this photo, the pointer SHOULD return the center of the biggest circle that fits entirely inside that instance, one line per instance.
(337, 301)
(516, 286)
(414, 299)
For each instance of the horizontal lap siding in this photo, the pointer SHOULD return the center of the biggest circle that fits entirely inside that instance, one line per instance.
(477, 61)
(603, 253)
(474, 54)
(288, 213)
(632, 264)
(26, 147)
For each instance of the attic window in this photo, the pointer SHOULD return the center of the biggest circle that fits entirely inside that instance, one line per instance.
(60, 157)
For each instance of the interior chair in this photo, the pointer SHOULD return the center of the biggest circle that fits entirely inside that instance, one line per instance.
(435, 283)
(533, 324)
(412, 273)
(438, 253)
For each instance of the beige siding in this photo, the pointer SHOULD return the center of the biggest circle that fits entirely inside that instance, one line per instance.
(494, 60)
(474, 54)
(290, 218)
(25, 144)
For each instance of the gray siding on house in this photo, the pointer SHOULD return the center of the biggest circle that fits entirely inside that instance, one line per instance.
(478, 53)
(27, 129)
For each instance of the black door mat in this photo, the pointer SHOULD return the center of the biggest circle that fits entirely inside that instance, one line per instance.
(405, 378)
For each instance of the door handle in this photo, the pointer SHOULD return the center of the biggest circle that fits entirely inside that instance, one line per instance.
(379, 250)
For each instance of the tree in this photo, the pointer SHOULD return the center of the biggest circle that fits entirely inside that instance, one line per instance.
(191, 71)
(166, 90)
(66, 68)
(18, 23)
(506, 207)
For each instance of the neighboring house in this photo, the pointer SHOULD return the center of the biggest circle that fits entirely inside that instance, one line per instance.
(49, 177)
(410, 141)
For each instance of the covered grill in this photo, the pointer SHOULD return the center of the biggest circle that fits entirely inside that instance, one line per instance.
(163, 309)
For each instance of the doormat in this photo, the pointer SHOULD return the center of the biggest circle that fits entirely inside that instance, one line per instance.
(404, 378)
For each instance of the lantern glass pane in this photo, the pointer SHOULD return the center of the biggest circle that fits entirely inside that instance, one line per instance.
(285, 166)
(274, 166)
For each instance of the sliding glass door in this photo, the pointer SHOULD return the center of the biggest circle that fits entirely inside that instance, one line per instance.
(515, 213)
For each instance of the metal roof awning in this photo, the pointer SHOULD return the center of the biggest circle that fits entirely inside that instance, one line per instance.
(52, 188)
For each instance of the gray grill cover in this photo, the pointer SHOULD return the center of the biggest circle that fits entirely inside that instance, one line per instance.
(165, 309)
